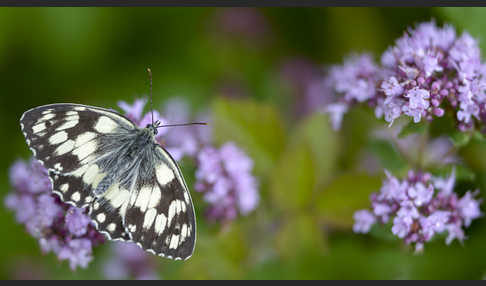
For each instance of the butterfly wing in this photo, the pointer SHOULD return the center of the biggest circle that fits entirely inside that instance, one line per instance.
(63, 136)
(65, 139)
(160, 215)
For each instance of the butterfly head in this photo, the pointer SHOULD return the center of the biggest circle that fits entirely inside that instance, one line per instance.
(153, 127)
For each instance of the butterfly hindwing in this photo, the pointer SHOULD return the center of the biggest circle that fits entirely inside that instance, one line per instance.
(71, 189)
(160, 216)
(108, 212)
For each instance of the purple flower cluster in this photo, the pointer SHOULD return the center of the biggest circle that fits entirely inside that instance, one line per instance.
(419, 207)
(429, 70)
(128, 261)
(224, 176)
(351, 83)
(60, 228)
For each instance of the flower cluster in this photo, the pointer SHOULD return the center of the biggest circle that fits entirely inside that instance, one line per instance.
(419, 207)
(128, 261)
(60, 228)
(345, 85)
(429, 70)
(224, 175)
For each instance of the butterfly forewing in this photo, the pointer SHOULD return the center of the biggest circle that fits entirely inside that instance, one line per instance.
(132, 187)
(61, 136)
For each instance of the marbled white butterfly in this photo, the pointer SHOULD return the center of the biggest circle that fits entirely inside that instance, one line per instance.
(132, 187)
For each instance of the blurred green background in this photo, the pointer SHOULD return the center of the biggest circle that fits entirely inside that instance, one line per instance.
(310, 177)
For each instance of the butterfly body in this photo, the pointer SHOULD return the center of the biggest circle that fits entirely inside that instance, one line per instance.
(132, 187)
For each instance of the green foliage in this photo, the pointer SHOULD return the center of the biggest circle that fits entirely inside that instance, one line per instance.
(257, 127)
(345, 195)
(306, 165)
(388, 155)
(413, 128)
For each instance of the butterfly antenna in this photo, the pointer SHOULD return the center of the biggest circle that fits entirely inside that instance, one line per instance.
(151, 100)
(183, 124)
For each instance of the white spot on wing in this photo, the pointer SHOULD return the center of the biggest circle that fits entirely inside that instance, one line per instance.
(174, 241)
(160, 223)
(80, 171)
(154, 197)
(101, 217)
(105, 125)
(111, 227)
(64, 148)
(91, 174)
(164, 174)
(172, 211)
(68, 124)
(184, 232)
(39, 127)
(149, 218)
(76, 197)
(85, 138)
(85, 150)
(47, 117)
(58, 138)
(58, 166)
(64, 187)
(117, 196)
(143, 198)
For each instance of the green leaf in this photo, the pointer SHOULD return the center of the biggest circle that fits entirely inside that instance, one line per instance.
(300, 236)
(388, 155)
(460, 139)
(479, 137)
(471, 19)
(306, 164)
(347, 194)
(255, 127)
(412, 128)
(463, 173)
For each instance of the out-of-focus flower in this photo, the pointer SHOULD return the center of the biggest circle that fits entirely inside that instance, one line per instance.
(355, 81)
(224, 176)
(244, 23)
(58, 227)
(303, 77)
(364, 219)
(187, 140)
(135, 113)
(128, 261)
(179, 141)
(421, 206)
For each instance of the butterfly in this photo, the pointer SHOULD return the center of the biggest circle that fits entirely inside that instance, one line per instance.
(99, 159)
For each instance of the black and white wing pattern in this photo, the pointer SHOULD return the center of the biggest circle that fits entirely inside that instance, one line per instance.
(99, 159)
(160, 214)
